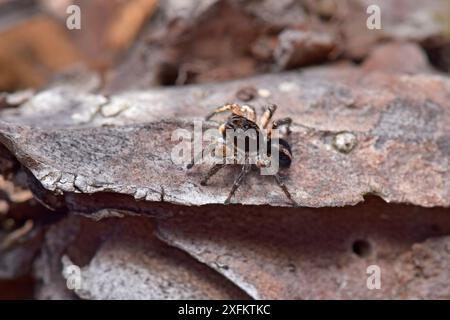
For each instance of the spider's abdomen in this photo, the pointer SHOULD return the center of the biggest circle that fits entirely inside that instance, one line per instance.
(285, 155)
(284, 152)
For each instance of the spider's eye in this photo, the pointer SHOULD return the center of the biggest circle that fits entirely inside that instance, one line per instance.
(284, 153)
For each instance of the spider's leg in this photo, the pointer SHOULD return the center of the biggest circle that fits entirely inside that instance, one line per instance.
(245, 170)
(267, 115)
(219, 143)
(284, 122)
(244, 111)
(285, 190)
(250, 111)
(224, 108)
(199, 156)
(214, 169)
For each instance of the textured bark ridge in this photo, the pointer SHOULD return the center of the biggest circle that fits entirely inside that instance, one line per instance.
(142, 266)
(354, 134)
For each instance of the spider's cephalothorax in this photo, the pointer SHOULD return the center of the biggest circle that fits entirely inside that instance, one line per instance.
(244, 118)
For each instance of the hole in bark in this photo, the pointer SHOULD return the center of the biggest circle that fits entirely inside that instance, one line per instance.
(168, 74)
(362, 248)
(438, 53)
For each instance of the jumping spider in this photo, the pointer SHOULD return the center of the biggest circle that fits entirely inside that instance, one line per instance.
(244, 118)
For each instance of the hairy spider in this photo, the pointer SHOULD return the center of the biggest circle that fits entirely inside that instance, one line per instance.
(244, 118)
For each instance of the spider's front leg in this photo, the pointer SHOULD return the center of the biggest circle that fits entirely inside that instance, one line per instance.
(245, 170)
(267, 115)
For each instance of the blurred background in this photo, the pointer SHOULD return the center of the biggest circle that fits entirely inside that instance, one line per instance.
(142, 43)
(138, 44)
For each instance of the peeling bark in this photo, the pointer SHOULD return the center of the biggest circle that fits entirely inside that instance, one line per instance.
(121, 259)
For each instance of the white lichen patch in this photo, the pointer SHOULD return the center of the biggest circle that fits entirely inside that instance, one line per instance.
(66, 182)
(50, 180)
(141, 193)
(344, 142)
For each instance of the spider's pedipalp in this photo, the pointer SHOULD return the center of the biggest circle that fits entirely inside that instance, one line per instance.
(222, 128)
(245, 170)
(248, 112)
(267, 115)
